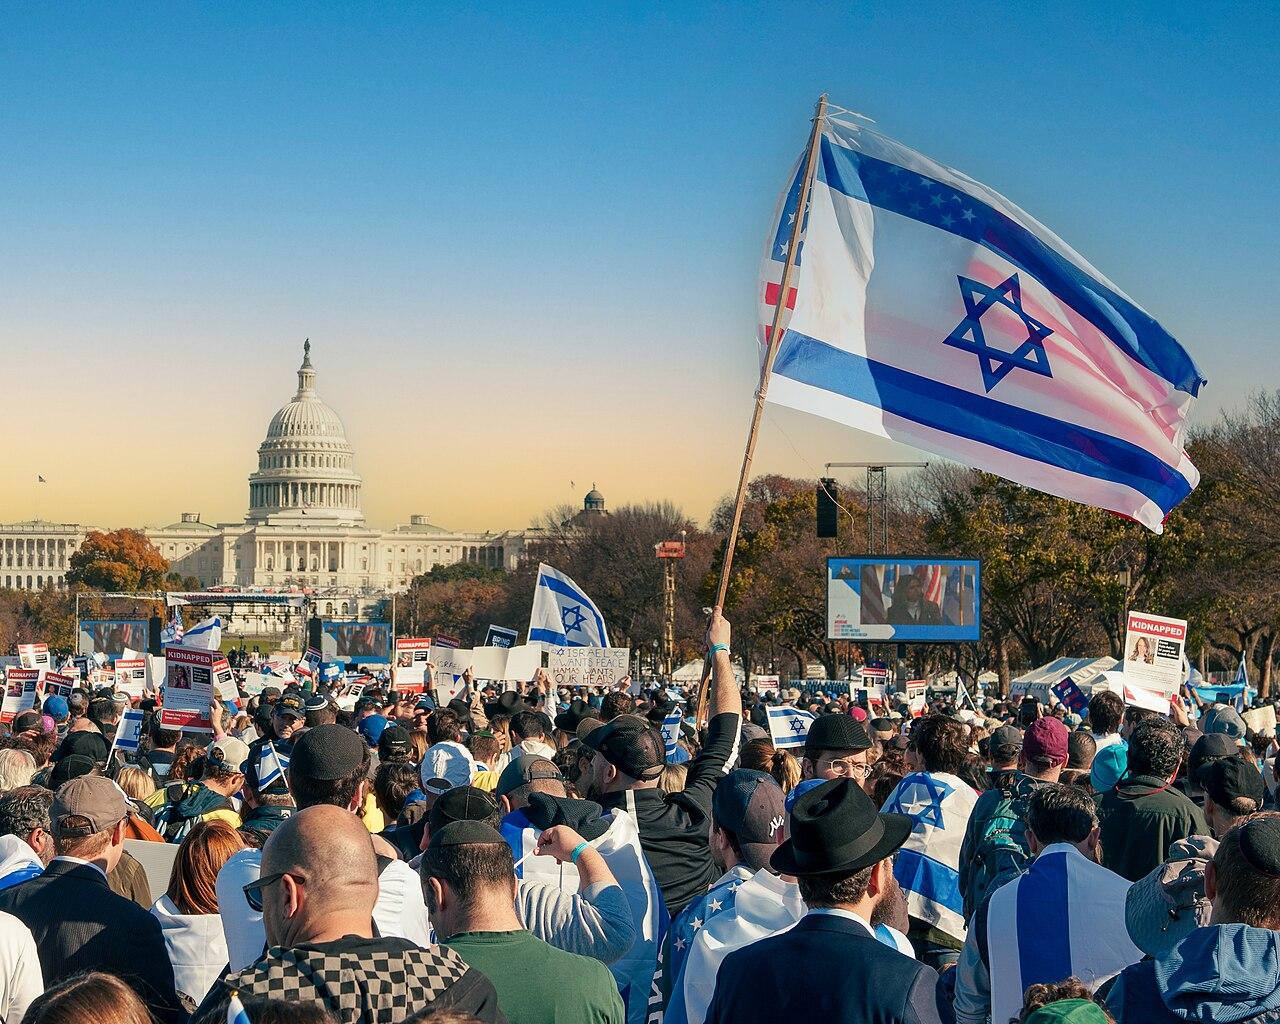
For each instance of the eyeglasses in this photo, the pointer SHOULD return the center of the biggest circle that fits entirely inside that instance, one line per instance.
(853, 769)
(253, 891)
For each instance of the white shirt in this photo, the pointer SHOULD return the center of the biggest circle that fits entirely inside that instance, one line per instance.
(1110, 739)
(20, 979)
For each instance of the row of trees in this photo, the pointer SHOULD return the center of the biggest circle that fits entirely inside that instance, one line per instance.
(1058, 578)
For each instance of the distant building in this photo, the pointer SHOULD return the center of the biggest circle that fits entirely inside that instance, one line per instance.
(305, 527)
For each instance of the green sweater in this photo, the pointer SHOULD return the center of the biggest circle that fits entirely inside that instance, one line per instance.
(1140, 818)
(539, 984)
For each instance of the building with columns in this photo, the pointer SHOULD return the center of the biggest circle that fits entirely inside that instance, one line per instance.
(304, 529)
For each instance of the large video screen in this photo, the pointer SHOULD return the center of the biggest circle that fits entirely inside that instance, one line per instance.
(904, 600)
(361, 642)
(112, 636)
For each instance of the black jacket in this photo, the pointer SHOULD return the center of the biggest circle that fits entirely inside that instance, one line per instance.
(675, 828)
(79, 924)
(826, 969)
(1140, 818)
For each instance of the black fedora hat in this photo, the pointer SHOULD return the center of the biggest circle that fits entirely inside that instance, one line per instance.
(836, 829)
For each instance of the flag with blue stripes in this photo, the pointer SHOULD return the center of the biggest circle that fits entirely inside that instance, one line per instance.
(671, 732)
(928, 864)
(1242, 681)
(236, 1012)
(1064, 917)
(173, 631)
(129, 731)
(788, 727)
(929, 309)
(563, 615)
(206, 635)
(273, 766)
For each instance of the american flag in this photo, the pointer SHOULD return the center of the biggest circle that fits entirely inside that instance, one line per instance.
(173, 632)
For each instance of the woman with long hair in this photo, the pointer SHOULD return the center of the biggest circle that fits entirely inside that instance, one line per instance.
(188, 911)
(97, 997)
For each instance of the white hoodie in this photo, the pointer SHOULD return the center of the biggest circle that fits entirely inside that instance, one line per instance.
(196, 945)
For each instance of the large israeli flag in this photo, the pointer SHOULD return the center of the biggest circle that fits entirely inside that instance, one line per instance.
(206, 635)
(928, 309)
(563, 615)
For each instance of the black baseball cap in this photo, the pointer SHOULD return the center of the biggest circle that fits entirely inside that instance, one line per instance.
(1005, 743)
(631, 745)
(525, 769)
(836, 732)
(290, 703)
(395, 743)
(1232, 778)
(462, 803)
(750, 804)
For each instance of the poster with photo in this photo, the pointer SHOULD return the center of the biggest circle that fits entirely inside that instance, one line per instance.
(131, 676)
(1153, 649)
(19, 692)
(190, 675)
(34, 656)
(409, 669)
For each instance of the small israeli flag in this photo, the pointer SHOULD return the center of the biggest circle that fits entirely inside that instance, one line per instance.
(272, 766)
(236, 1012)
(563, 615)
(788, 726)
(671, 732)
(173, 632)
(206, 635)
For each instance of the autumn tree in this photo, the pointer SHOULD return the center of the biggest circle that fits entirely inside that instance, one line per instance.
(121, 560)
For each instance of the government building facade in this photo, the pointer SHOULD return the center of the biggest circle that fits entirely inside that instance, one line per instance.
(304, 530)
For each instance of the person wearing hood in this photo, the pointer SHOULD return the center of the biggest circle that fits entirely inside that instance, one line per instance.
(188, 911)
(1227, 972)
(212, 797)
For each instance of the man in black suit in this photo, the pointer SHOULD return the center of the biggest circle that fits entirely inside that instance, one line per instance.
(830, 967)
(78, 923)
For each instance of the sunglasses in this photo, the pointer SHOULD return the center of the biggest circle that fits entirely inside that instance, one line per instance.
(253, 891)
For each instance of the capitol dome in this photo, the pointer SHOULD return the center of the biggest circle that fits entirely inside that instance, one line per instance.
(305, 461)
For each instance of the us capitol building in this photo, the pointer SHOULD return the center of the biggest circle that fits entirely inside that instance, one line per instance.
(304, 530)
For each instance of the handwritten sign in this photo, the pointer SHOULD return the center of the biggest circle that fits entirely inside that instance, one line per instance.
(588, 666)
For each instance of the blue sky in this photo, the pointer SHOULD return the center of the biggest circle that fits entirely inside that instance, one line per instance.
(524, 238)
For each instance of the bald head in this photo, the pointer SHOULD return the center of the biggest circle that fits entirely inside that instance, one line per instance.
(331, 849)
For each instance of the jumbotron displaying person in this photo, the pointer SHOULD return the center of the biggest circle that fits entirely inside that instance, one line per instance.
(910, 606)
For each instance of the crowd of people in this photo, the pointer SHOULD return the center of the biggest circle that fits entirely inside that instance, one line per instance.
(539, 856)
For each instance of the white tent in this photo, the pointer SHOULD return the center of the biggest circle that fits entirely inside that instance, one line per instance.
(1084, 672)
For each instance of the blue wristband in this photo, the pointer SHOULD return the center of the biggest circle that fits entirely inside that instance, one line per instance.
(717, 648)
(577, 852)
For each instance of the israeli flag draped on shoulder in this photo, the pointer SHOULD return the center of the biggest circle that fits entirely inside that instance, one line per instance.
(563, 615)
(621, 850)
(1063, 917)
(929, 309)
(206, 635)
(788, 727)
(928, 864)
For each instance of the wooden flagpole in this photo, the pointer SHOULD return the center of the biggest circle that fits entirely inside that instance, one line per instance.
(766, 371)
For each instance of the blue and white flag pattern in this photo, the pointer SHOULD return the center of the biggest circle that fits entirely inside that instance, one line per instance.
(928, 864)
(788, 726)
(1062, 918)
(563, 615)
(928, 309)
(621, 850)
(696, 916)
(671, 732)
(206, 635)
(273, 766)
(236, 1013)
(173, 631)
(1241, 680)
(129, 731)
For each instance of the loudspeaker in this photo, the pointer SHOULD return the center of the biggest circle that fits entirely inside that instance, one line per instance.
(155, 625)
(828, 493)
(313, 632)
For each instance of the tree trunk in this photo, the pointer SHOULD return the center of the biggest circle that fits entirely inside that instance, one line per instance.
(1002, 651)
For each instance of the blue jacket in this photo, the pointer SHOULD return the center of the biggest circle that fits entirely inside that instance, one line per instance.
(826, 969)
(1220, 974)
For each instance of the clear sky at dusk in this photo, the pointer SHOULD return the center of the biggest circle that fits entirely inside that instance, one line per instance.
(523, 238)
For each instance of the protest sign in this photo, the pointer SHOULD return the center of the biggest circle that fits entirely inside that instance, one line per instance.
(129, 731)
(451, 664)
(58, 685)
(523, 662)
(309, 664)
(588, 666)
(914, 691)
(255, 682)
(766, 684)
(409, 671)
(19, 692)
(501, 636)
(131, 676)
(1071, 695)
(1262, 720)
(34, 656)
(330, 671)
(489, 663)
(445, 640)
(190, 675)
(81, 663)
(1153, 648)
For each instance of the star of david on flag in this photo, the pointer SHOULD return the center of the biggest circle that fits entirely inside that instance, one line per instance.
(563, 614)
(920, 798)
(788, 727)
(929, 309)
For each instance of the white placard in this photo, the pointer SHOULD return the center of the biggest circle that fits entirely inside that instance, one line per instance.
(588, 666)
(1153, 647)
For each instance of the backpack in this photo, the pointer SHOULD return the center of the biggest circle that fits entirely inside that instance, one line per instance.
(1001, 851)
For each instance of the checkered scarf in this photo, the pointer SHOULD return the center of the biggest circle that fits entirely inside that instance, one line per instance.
(360, 987)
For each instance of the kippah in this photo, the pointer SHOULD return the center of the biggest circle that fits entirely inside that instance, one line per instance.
(316, 702)
(465, 833)
(326, 753)
(1259, 842)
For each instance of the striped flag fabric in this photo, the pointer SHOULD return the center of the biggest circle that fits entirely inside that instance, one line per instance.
(206, 635)
(788, 726)
(1063, 917)
(671, 732)
(173, 631)
(928, 864)
(929, 309)
(273, 766)
(563, 615)
(236, 1013)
